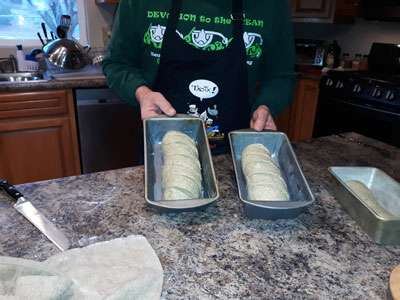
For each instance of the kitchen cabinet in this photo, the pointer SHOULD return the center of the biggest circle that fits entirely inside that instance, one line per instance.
(325, 11)
(38, 136)
(297, 121)
(321, 9)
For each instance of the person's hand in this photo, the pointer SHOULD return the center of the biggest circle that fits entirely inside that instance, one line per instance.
(153, 104)
(262, 119)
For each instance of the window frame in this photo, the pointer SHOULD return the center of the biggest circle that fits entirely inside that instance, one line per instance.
(83, 35)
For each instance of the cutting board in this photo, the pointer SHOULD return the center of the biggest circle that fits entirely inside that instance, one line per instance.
(394, 284)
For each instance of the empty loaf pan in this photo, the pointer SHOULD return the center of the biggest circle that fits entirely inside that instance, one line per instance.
(282, 153)
(154, 131)
(381, 220)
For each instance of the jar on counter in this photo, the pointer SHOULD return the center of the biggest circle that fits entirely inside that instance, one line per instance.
(356, 62)
(364, 63)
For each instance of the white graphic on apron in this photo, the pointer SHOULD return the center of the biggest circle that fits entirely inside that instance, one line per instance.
(213, 111)
(250, 37)
(157, 33)
(193, 111)
(207, 40)
(203, 38)
(203, 89)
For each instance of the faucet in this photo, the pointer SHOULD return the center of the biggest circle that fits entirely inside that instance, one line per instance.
(8, 64)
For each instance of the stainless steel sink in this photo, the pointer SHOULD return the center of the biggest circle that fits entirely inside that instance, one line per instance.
(21, 77)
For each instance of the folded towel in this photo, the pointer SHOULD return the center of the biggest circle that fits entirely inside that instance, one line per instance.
(125, 268)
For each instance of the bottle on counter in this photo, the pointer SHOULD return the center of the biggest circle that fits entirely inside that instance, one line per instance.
(356, 62)
(333, 55)
(20, 58)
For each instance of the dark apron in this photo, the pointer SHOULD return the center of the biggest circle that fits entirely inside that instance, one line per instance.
(212, 85)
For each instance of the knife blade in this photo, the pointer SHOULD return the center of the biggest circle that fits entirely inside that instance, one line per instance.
(25, 207)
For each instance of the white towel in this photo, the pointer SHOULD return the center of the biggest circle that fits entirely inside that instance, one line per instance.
(125, 268)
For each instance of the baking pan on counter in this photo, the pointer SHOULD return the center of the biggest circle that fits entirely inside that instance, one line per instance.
(382, 226)
(154, 131)
(282, 153)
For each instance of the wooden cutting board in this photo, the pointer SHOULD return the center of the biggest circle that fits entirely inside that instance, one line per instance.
(395, 284)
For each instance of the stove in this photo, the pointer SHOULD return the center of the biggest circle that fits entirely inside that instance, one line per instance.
(364, 102)
(380, 91)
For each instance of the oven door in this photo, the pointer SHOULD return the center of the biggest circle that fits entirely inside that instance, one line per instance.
(337, 116)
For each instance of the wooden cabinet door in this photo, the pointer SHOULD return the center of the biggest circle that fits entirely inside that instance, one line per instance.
(297, 121)
(304, 109)
(348, 8)
(38, 138)
(321, 9)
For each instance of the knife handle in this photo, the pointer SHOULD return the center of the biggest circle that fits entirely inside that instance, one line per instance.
(10, 190)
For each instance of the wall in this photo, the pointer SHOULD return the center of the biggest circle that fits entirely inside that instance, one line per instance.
(98, 19)
(353, 38)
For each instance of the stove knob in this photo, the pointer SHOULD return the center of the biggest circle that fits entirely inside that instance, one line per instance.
(390, 96)
(329, 82)
(377, 93)
(357, 88)
(339, 84)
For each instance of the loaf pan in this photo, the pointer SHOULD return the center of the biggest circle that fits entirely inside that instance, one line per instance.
(154, 131)
(282, 153)
(382, 228)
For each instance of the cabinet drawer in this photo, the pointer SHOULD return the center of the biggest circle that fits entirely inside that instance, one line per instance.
(18, 105)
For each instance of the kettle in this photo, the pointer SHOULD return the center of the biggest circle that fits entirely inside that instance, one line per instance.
(66, 54)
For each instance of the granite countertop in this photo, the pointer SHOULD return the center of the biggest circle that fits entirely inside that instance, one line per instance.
(218, 253)
(7, 87)
(53, 84)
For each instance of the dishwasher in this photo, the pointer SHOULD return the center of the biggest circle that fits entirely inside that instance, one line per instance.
(110, 131)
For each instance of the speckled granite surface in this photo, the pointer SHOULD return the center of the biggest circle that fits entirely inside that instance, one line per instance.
(52, 85)
(218, 253)
(81, 83)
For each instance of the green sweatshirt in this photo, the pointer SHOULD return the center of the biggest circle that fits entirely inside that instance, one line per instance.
(134, 52)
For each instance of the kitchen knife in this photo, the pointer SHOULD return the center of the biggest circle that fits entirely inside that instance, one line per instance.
(45, 32)
(26, 208)
(41, 40)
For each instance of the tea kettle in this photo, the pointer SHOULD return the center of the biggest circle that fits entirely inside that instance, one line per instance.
(67, 54)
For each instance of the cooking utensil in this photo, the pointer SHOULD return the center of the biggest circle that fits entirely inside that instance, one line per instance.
(41, 39)
(65, 21)
(45, 32)
(62, 32)
(154, 131)
(66, 54)
(26, 208)
(282, 153)
(383, 229)
(52, 35)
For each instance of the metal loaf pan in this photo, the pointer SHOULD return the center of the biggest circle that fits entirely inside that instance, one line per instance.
(282, 153)
(154, 131)
(382, 228)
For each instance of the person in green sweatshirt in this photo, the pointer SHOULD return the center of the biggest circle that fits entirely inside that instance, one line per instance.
(229, 62)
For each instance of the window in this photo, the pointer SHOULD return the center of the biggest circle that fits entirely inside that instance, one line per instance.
(20, 19)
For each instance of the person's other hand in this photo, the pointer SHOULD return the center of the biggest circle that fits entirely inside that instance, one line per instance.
(262, 119)
(153, 104)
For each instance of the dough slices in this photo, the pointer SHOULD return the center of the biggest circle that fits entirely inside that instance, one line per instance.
(367, 197)
(263, 177)
(181, 174)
